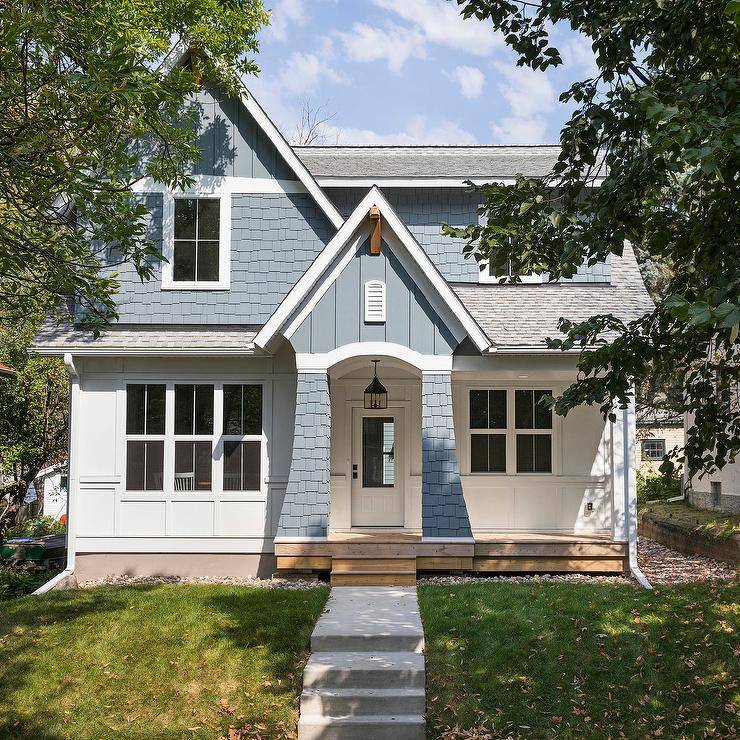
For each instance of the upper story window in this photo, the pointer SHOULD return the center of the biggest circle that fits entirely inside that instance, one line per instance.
(196, 241)
(487, 275)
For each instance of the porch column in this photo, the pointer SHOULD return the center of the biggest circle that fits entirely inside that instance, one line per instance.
(443, 510)
(305, 511)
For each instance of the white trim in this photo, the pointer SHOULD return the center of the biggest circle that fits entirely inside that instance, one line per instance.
(318, 291)
(138, 351)
(335, 247)
(320, 362)
(168, 242)
(485, 277)
(155, 545)
(223, 185)
(286, 151)
(343, 181)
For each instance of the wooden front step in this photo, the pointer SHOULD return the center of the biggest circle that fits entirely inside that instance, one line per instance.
(549, 565)
(373, 571)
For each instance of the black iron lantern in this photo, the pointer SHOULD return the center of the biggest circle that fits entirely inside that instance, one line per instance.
(376, 396)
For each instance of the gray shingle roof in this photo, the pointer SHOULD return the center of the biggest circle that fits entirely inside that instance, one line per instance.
(525, 315)
(428, 161)
(53, 338)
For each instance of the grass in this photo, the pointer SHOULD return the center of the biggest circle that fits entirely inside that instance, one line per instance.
(150, 662)
(711, 524)
(581, 660)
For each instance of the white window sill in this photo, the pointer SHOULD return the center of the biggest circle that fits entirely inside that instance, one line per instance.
(196, 286)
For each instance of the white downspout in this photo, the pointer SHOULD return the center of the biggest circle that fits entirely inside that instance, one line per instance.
(629, 434)
(72, 406)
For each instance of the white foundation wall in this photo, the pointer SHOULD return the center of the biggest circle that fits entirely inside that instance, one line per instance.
(106, 518)
(582, 465)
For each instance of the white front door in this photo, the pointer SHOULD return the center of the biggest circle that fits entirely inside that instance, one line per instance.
(377, 468)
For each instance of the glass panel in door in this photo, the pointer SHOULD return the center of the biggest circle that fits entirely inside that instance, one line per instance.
(378, 452)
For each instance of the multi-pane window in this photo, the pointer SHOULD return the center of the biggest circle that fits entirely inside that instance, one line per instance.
(242, 430)
(193, 418)
(145, 414)
(501, 421)
(488, 415)
(653, 449)
(533, 427)
(194, 437)
(196, 245)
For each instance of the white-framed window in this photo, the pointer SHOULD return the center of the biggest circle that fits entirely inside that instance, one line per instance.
(533, 429)
(242, 436)
(486, 275)
(191, 438)
(145, 436)
(194, 442)
(509, 431)
(653, 449)
(196, 241)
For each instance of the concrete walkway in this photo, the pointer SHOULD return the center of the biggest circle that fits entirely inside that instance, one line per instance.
(365, 677)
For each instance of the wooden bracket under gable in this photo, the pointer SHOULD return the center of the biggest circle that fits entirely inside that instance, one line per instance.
(375, 233)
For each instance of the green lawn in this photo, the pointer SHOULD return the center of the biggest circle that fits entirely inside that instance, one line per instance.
(581, 660)
(154, 662)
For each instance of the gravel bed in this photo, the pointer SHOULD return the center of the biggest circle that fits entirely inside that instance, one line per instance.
(298, 584)
(535, 578)
(661, 565)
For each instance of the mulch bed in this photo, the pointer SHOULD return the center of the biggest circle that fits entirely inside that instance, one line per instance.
(661, 565)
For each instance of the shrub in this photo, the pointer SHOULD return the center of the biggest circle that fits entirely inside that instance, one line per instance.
(652, 487)
(37, 527)
(18, 581)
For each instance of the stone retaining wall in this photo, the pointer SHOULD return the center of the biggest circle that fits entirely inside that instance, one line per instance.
(671, 535)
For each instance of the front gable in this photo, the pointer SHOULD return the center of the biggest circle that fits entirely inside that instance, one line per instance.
(338, 318)
(324, 310)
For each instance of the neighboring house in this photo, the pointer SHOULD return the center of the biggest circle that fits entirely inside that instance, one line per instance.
(658, 432)
(51, 484)
(719, 491)
(221, 426)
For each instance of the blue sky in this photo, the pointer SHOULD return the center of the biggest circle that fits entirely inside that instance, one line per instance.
(408, 72)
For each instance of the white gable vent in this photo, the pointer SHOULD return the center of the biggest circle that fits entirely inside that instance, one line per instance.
(374, 302)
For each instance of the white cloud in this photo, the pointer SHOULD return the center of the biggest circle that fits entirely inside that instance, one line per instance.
(577, 52)
(527, 91)
(418, 131)
(302, 73)
(392, 43)
(529, 95)
(469, 79)
(283, 14)
(517, 130)
(440, 23)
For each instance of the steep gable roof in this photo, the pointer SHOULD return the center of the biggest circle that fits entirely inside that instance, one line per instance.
(284, 149)
(325, 269)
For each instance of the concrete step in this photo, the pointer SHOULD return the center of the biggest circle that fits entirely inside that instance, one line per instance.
(399, 727)
(373, 578)
(378, 619)
(361, 702)
(364, 670)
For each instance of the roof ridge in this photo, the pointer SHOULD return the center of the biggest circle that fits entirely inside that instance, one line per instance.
(425, 146)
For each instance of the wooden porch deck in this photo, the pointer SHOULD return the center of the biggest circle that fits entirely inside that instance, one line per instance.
(392, 558)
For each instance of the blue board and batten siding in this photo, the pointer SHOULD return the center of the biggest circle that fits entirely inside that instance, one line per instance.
(231, 142)
(338, 317)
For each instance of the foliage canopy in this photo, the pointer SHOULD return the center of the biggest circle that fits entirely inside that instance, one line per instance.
(80, 80)
(658, 130)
